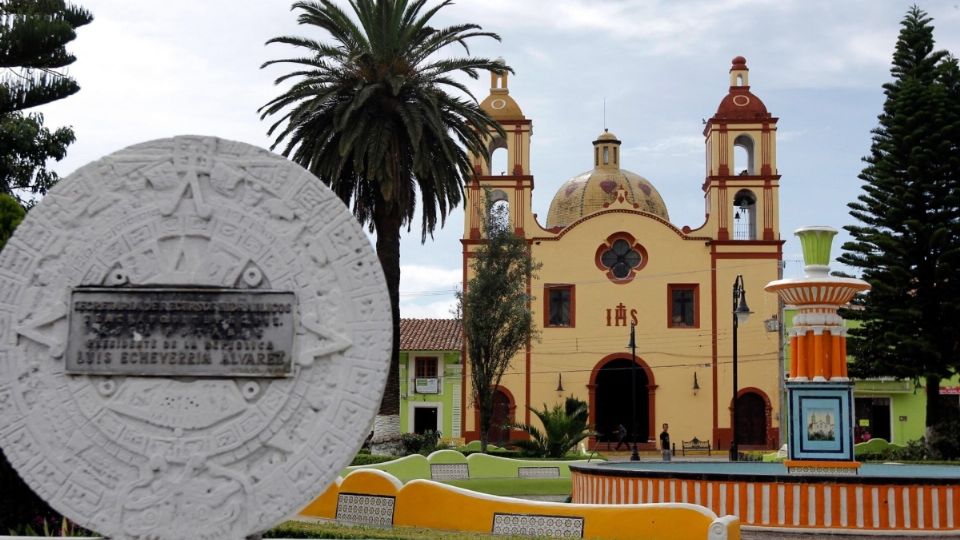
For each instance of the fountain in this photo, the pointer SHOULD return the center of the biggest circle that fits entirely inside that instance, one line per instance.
(819, 393)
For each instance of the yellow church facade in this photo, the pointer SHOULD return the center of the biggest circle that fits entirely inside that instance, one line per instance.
(612, 259)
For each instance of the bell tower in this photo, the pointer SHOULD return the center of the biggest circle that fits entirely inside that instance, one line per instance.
(512, 186)
(742, 184)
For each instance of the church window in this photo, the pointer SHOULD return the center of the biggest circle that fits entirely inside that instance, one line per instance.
(606, 156)
(684, 300)
(559, 306)
(621, 256)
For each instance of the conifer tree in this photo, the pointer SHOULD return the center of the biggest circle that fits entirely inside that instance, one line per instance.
(33, 39)
(495, 309)
(907, 242)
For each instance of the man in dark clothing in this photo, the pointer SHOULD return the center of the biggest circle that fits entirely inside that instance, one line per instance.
(665, 443)
(621, 436)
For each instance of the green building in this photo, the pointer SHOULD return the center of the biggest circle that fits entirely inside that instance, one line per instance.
(888, 408)
(431, 376)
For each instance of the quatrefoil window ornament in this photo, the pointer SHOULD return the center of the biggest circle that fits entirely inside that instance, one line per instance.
(621, 257)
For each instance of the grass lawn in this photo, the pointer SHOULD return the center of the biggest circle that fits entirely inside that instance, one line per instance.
(299, 529)
(516, 486)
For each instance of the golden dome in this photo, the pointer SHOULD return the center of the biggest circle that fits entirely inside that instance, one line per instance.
(594, 190)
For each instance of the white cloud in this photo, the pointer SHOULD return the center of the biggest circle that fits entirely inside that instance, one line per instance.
(423, 280)
(671, 145)
(428, 291)
(432, 310)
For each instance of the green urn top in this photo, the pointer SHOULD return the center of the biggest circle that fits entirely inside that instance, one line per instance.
(816, 241)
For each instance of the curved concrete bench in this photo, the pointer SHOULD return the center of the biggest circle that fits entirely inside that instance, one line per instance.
(452, 465)
(373, 497)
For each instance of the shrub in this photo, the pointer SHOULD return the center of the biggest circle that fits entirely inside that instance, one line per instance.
(370, 459)
(914, 451)
(945, 442)
(421, 443)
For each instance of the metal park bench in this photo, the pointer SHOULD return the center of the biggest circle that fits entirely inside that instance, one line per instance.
(695, 444)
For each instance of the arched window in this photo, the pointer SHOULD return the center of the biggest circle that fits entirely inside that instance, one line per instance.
(743, 156)
(745, 215)
(499, 207)
(498, 157)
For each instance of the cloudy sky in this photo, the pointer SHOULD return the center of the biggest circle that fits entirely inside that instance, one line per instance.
(156, 69)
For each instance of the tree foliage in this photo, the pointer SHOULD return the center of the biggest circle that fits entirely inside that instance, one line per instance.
(375, 111)
(907, 242)
(26, 146)
(11, 214)
(564, 426)
(33, 38)
(33, 55)
(495, 309)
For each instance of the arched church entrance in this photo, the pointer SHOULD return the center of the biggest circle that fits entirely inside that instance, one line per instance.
(612, 399)
(753, 418)
(502, 405)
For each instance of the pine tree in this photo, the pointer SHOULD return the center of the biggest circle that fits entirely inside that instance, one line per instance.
(33, 39)
(907, 242)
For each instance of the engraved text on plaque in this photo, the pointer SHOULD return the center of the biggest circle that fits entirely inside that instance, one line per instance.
(174, 332)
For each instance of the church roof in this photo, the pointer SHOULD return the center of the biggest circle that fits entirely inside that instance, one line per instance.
(596, 189)
(431, 335)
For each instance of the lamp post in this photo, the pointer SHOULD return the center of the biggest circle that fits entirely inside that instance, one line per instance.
(634, 456)
(740, 314)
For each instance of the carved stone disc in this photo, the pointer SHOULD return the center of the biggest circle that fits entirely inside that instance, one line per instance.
(190, 457)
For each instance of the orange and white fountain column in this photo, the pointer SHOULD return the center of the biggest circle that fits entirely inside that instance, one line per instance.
(820, 393)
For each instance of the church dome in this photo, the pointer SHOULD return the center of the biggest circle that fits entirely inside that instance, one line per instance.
(594, 190)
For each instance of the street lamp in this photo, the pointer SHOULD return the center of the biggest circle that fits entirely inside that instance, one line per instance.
(633, 389)
(740, 315)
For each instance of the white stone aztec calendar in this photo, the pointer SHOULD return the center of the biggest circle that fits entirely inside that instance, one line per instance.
(198, 458)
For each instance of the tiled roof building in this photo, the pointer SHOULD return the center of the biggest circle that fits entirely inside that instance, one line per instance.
(431, 335)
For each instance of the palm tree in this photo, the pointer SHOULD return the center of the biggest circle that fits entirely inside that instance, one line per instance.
(564, 426)
(369, 113)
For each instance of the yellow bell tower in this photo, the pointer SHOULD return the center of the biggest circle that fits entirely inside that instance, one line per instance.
(511, 187)
(742, 184)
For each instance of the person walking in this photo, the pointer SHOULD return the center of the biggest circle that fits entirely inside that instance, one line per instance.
(621, 437)
(665, 442)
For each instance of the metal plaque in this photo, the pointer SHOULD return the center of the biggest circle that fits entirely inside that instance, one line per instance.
(180, 332)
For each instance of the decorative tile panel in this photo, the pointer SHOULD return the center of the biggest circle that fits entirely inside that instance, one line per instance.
(536, 525)
(374, 510)
(449, 471)
(538, 472)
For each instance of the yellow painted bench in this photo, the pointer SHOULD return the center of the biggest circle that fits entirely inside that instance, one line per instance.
(373, 497)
